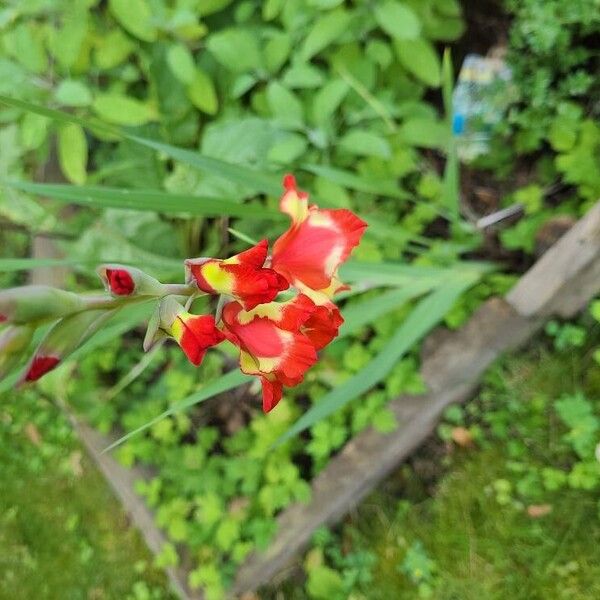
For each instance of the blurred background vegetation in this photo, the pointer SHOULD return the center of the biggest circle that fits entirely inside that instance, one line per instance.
(178, 118)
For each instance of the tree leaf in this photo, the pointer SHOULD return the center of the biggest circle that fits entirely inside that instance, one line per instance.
(73, 152)
(327, 28)
(363, 142)
(136, 17)
(236, 49)
(426, 314)
(397, 20)
(123, 110)
(284, 105)
(202, 93)
(73, 93)
(327, 100)
(420, 58)
(181, 62)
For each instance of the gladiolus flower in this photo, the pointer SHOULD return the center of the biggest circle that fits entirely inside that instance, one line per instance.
(242, 276)
(194, 333)
(40, 366)
(318, 241)
(271, 344)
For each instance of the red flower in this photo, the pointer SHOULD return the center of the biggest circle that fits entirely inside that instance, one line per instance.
(318, 241)
(195, 334)
(242, 276)
(120, 282)
(271, 343)
(323, 325)
(40, 366)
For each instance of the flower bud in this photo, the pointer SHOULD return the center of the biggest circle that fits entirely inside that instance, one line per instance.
(14, 341)
(121, 280)
(64, 337)
(34, 303)
(194, 333)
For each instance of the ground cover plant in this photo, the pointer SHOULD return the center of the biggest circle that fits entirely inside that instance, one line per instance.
(141, 133)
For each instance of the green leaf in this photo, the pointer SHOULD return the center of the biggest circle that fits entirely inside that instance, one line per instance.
(208, 7)
(67, 42)
(25, 44)
(224, 383)
(202, 93)
(8, 265)
(73, 152)
(277, 50)
(73, 93)
(181, 62)
(365, 143)
(135, 16)
(397, 20)
(262, 181)
(420, 59)
(383, 187)
(426, 314)
(288, 149)
(284, 105)
(326, 30)
(425, 133)
(112, 49)
(236, 49)
(327, 100)
(145, 200)
(123, 110)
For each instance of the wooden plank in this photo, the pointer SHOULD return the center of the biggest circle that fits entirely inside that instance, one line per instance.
(563, 284)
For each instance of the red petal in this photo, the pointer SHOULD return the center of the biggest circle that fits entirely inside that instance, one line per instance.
(323, 325)
(40, 366)
(199, 334)
(255, 286)
(271, 394)
(296, 312)
(254, 256)
(289, 182)
(120, 282)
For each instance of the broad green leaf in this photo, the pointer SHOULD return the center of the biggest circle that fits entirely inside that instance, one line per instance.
(277, 50)
(426, 315)
(365, 143)
(303, 76)
(33, 130)
(425, 133)
(73, 93)
(112, 49)
(202, 93)
(420, 58)
(397, 20)
(288, 149)
(284, 105)
(208, 7)
(382, 187)
(146, 200)
(73, 152)
(327, 29)
(67, 42)
(136, 17)
(123, 110)
(236, 49)
(224, 383)
(24, 43)
(181, 62)
(262, 181)
(327, 100)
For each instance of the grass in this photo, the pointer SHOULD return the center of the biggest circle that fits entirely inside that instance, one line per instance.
(473, 539)
(62, 533)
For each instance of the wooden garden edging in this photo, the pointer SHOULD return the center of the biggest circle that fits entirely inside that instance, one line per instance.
(561, 283)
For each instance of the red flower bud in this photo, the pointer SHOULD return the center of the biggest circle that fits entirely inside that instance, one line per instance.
(120, 282)
(40, 366)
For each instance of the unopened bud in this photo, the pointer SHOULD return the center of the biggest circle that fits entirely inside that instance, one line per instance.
(14, 341)
(64, 337)
(35, 303)
(121, 280)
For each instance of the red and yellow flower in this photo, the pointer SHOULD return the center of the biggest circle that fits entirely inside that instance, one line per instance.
(242, 276)
(318, 241)
(194, 333)
(272, 344)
